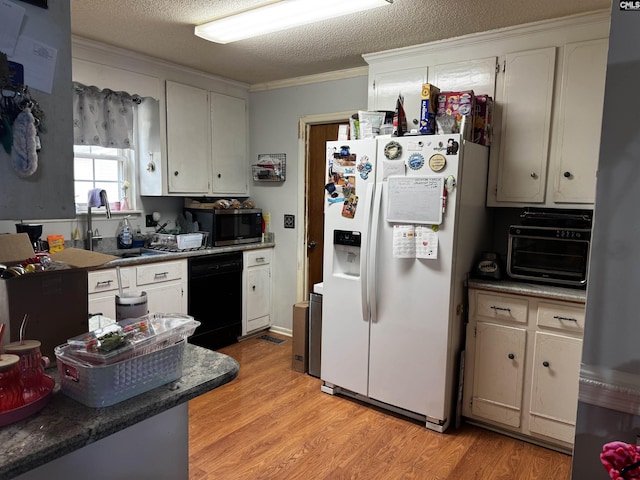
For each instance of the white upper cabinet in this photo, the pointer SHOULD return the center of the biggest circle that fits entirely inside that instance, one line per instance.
(477, 75)
(188, 139)
(385, 88)
(229, 145)
(548, 89)
(523, 148)
(579, 121)
(206, 142)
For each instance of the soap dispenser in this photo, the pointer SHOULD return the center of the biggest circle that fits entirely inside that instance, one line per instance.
(125, 233)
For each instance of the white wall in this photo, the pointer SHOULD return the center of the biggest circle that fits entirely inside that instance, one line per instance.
(274, 117)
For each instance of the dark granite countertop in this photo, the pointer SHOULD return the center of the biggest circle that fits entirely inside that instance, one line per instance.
(65, 425)
(162, 256)
(530, 289)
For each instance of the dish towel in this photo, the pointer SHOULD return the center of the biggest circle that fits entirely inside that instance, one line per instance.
(95, 199)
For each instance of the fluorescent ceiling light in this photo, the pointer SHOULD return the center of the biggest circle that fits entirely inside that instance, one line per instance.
(281, 15)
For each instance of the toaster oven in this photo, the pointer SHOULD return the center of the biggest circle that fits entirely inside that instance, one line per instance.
(551, 249)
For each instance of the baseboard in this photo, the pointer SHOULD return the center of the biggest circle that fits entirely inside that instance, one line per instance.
(281, 330)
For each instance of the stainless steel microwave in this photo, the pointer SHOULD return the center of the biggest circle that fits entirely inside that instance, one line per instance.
(230, 226)
(556, 255)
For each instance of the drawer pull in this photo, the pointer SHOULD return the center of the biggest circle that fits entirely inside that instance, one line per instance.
(259, 259)
(545, 364)
(511, 356)
(568, 319)
(103, 283)
(161, 274)
(502, 309)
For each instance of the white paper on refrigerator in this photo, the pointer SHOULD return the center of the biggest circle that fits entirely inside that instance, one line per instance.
(404, 241)
(426, 243)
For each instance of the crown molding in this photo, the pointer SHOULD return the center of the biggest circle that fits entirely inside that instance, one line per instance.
(309, 79)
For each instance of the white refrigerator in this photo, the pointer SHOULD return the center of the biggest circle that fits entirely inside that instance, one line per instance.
(404, 221)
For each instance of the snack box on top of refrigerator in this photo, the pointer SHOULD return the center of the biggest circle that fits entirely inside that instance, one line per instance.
(482, 120)
(428, 107)
(452, 106)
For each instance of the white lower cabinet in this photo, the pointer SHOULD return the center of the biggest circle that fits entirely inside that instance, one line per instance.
(522, 365)
(103, 288)
(165, 284)
(499, 372)
(256, 281)
(556, 371)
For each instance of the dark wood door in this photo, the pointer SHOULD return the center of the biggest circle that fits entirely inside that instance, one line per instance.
(316, 180)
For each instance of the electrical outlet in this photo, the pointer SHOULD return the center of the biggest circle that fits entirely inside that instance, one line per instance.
(149, 221)
(289, 221)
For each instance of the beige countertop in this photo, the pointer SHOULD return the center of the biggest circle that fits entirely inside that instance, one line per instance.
(577, 295)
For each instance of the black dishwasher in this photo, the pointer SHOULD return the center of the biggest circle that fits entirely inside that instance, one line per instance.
(215, 299)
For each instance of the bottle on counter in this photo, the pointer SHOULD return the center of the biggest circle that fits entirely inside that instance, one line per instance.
(125, 233)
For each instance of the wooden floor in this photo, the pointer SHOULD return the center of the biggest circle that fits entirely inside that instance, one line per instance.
(274, 423)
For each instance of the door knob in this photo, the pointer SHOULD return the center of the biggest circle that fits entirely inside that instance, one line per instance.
(545, 364)
(534, 175)
(311, 245)
(511, 356)
(567, 174)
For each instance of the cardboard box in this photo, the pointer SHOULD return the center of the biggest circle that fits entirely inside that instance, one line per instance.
(56, 301)
(482, 120)
(300, 360)
(452, 106)
(428, 109)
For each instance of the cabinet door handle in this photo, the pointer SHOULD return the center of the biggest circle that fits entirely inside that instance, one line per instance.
(511, 356)
(567, 174)
(568, 319)
(161, 274)
(534, 175)
(545, 364)
(103, 283)
(253, 288)
(502, 309)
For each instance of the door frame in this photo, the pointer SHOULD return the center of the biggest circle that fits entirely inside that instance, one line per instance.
(303, 124)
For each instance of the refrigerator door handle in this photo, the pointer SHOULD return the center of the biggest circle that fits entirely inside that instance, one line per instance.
(364, 267)
(372, 251)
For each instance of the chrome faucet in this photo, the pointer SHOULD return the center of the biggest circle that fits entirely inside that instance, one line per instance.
(96, 198)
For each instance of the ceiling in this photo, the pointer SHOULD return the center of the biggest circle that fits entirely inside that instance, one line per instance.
(164, 29)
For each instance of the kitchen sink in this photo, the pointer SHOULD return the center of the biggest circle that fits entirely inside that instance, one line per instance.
(135, 252)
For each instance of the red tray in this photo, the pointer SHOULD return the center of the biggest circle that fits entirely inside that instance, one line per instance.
(12, 416)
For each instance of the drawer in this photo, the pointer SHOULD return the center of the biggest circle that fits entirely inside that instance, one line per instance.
(158, 272)
(257, 257)
(498, 307)
(569, 318)
(107, 280)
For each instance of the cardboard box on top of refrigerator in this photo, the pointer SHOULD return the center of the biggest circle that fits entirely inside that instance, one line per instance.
(452, 107)
(300, 360)
(482, 120)
(428, 108)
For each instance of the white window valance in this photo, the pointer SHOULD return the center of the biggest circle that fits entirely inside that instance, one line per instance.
(103, 117)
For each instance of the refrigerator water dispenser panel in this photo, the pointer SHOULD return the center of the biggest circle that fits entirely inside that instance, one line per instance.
(346, 250)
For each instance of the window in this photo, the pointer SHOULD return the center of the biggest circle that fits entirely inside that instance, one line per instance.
(105, 168)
